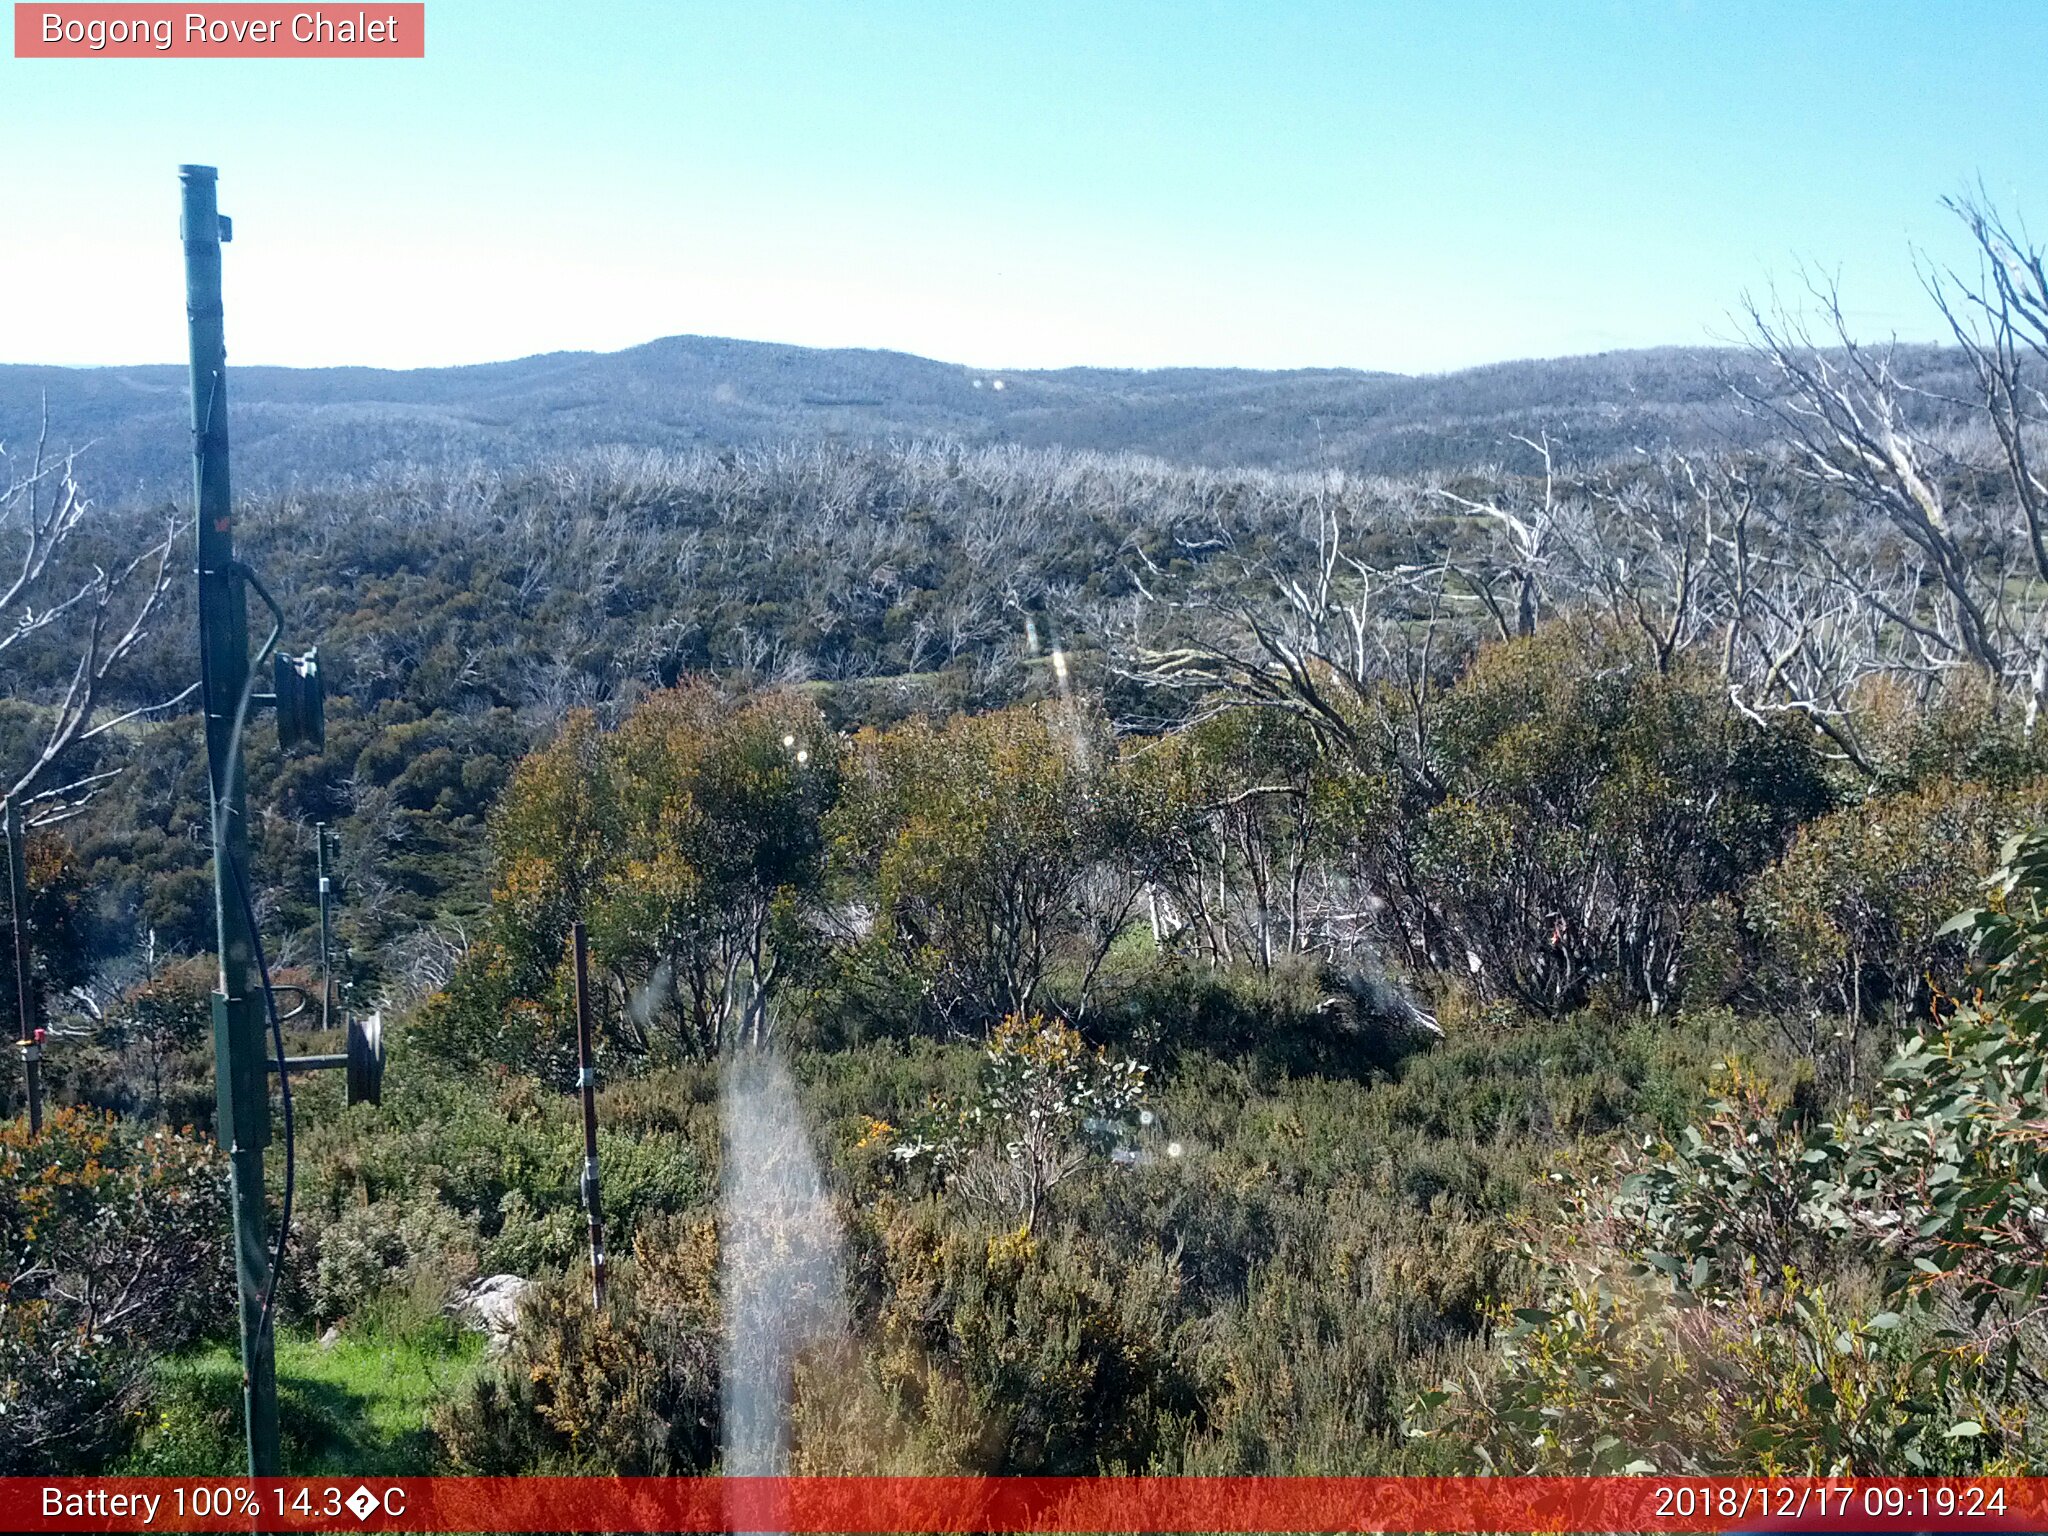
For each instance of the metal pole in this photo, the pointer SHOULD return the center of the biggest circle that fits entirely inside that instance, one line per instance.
(586, 1081)
(240, 1065)
(326, 983)
(28, 1041)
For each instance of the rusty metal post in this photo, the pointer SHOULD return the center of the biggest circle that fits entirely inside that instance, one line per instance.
(326, 973)
(29, 1041)
(586, 1083)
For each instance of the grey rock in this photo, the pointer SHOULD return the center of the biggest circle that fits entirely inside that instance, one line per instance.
(491, 1306)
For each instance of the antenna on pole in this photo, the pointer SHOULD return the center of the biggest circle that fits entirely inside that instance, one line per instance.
(363, 1056)
(586, 1082)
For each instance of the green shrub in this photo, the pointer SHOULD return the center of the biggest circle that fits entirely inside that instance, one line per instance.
(1577, 805)
(1780, 1375)
(465, 1140)
(987, 846)
(1850, 918)
(1047, 1108)
(1773, 1293)
(1965, 732)
(691, 840)
(1006, 1353)
(421, 1245)
(115, 1244)
(633, 1390)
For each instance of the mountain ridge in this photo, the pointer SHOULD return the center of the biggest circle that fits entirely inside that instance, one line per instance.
(689, 392)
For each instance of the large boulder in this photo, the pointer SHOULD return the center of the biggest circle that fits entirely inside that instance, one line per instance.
(491, 1306)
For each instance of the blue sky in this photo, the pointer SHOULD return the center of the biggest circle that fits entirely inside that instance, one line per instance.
(1415, 187)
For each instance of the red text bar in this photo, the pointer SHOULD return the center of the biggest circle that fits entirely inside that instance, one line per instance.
(867, 1506)
(114, 31)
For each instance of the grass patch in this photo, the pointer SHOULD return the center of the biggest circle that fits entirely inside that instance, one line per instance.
(358, 1406)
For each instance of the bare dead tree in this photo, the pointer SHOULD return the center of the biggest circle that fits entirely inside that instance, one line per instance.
(56, 597)
(1808, 642)
(1528, 533)
(1648, 554)
(2000, 321)
(1303, 641)
(1843, 408)
(1970, 527)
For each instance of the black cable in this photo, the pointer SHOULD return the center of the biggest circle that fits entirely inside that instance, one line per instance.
(223, 808)
(284, 1083)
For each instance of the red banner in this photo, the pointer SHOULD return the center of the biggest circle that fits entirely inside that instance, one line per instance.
(965, 1504)
(104, 31)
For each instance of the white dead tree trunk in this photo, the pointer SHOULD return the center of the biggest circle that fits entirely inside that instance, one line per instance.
(1302, 641)
(97, 613)
(2001, 323)
(1529, 534)
(1844, 413)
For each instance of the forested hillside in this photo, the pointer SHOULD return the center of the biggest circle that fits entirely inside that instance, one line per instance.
(307, 427)
(1244, 969)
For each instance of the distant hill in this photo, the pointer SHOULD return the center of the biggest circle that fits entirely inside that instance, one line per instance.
(312, 424)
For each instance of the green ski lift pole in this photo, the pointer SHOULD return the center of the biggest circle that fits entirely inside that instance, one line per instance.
(239, 1052)
(244, 999)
